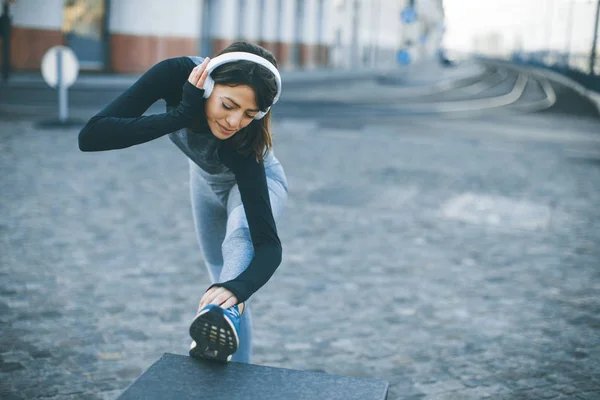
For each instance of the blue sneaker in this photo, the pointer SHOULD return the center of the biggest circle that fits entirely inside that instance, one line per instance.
(215, 333)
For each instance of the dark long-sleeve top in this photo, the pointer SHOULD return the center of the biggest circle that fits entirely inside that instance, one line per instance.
(121, 124)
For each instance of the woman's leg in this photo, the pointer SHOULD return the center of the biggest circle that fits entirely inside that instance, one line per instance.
(210, 221)
(237, 250)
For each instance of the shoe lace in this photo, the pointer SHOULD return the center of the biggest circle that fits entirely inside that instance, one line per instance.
(234, 311)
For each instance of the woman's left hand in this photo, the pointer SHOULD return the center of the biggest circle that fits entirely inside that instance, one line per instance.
(219, 296)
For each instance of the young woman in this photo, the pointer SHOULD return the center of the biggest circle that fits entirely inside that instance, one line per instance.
(218, 114)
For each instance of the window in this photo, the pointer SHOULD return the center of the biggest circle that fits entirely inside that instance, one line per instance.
(84, 28)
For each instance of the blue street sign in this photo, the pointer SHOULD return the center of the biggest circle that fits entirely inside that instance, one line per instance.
(408, 15)
(403, 57)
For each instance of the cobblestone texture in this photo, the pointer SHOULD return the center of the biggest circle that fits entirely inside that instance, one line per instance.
(407, 257)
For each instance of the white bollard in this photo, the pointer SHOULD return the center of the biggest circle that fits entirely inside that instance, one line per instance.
(60, 69)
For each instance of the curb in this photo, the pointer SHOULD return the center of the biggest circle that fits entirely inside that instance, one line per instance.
(405, 82)
(106, 81)
(572, 84)
(123, 81)
(593, 96)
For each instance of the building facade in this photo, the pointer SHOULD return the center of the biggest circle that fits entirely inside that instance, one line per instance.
(128, 36)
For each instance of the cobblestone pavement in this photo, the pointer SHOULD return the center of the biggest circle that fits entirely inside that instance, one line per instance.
(454, 258)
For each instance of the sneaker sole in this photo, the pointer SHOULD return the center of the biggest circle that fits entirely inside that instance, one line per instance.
(215, 336)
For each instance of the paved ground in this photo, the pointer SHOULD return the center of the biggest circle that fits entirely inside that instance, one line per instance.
(456, 258)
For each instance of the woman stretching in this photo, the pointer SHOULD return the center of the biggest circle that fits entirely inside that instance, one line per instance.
(218, 114)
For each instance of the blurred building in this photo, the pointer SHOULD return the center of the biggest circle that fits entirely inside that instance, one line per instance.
(552, 32)
(490, 43)
(422, 38)
(125, 36)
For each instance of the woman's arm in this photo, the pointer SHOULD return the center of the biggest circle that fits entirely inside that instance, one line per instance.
(252, 183)
(120, 124)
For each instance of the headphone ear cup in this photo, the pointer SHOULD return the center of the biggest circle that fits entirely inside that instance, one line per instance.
(208, 86)
(261, 114)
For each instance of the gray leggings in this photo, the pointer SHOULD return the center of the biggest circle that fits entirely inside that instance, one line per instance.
(222, 230)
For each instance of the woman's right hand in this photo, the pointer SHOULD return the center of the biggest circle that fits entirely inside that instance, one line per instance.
(199, 73)
(192, 102)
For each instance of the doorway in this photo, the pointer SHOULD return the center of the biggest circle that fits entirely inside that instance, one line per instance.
(84, 30)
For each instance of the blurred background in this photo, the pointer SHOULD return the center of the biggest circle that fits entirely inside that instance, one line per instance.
(441, 233)
(559, 34)
(129, 36)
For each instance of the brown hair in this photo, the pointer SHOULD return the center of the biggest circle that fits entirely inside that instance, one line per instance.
(256, 138)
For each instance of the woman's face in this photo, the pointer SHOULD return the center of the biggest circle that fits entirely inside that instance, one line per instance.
(229, 109)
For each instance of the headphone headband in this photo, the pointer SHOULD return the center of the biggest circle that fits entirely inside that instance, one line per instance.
(209, 83)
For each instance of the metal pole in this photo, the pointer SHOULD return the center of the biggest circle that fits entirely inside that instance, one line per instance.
(549, 21)
(354, 53)
(376, 55)
(569, 34)
(372, 36)
(62, 89)
(6, 27)
(593, 54)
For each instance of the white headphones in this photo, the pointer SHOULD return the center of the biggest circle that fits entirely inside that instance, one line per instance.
(209, 84)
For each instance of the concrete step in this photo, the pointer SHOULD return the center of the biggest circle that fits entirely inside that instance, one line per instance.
(182, 377)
